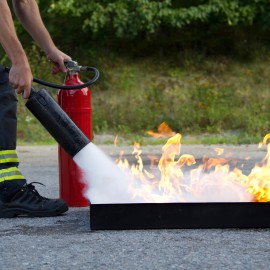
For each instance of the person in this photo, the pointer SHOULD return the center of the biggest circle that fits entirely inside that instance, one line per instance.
(16, 196)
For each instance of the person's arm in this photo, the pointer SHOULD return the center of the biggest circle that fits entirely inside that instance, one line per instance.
(20, 75)
(28, 13)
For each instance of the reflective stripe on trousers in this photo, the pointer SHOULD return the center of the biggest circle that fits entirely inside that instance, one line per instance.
(12, 173)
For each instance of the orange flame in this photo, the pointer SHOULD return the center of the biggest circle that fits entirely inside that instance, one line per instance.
(211, 179)
(164, 131)
(115, 142)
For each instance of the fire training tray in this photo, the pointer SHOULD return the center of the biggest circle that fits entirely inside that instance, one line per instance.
(179, 216)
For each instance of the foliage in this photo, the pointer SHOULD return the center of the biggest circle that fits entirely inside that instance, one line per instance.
(127, 19)
(144, 27)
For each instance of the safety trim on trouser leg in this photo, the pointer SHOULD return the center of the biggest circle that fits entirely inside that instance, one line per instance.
(8, 156)
(12, 173)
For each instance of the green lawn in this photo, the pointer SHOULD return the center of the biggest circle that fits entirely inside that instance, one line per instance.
(208, 100)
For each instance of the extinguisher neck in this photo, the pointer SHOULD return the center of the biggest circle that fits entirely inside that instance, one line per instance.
(71, 75)
(73, 79)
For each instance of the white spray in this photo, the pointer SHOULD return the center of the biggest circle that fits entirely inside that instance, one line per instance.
(107, 183)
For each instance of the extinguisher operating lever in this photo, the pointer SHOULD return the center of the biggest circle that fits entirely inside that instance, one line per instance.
(72, 66)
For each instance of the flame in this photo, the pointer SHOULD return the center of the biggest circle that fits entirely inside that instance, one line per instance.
(219, 151)
(170, 181)
(164, 131)
(115, 142)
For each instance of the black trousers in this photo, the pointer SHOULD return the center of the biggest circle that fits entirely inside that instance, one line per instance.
(8, 111)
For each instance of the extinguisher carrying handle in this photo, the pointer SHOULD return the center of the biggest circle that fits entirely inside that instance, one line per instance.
(69, 87)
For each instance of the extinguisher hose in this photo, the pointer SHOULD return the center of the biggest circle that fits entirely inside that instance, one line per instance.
(69, 87)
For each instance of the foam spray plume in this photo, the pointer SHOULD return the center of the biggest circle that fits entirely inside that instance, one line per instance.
(106, 182)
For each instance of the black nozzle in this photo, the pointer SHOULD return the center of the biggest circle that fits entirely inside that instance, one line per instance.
(57, 122)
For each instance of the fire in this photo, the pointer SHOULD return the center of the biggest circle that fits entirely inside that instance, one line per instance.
(163, 131)
(173, 178)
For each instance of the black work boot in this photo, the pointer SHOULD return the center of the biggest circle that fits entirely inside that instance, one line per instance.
(26, 201)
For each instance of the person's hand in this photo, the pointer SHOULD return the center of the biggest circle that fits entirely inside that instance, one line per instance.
(57, 58)
(20, 78)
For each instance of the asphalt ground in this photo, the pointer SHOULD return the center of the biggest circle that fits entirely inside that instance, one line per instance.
(66, 242)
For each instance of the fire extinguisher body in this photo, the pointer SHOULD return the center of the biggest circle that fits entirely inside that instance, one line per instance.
(77, 104)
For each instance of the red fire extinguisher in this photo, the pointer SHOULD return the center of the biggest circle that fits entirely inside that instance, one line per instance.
(77, 104)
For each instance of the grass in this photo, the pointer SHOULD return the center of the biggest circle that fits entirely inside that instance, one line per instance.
(208, 100)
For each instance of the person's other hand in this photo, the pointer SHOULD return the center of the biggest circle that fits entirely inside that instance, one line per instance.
(57, 58)
(20, 78)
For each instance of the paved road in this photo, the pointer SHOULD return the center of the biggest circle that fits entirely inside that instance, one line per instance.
(66, 242)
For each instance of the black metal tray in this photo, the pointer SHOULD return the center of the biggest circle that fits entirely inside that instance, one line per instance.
(179, 216)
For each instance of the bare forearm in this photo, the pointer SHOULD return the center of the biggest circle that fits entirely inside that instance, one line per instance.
(8, 36)
(28, 13)
(20, 75)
